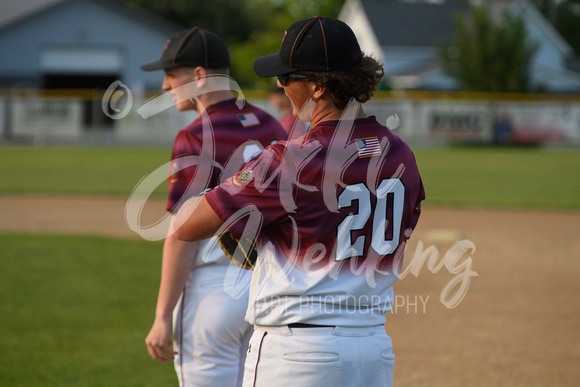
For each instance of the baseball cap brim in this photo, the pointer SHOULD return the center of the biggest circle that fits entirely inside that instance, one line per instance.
(158, 65)
(270, 66)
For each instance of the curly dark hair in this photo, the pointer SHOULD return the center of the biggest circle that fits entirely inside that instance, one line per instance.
(358, 82)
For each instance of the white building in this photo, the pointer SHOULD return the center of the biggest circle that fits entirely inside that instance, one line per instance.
(405, 34)
(79, 44)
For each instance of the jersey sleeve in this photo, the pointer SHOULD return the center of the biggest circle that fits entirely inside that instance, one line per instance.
(418, 203)
(259, 194)
(183, 177)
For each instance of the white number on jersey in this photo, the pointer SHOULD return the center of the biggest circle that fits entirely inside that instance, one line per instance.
(345, 246)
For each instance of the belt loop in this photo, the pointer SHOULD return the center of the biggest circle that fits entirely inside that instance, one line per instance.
(258, 359)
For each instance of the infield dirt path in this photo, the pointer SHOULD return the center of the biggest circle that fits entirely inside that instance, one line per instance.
(517, 325)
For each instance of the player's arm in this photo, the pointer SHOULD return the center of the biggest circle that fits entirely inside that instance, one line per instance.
(177, 262)
(198, 220)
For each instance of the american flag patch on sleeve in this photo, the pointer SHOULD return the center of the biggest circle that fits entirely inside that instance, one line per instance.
(368, 147)
(248, 119)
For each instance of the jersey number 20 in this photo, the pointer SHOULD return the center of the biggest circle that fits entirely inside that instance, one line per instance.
(388, 188)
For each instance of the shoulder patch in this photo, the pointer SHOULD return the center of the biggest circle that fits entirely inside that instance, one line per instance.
(368, 147)
(173, 172)
(248, 119)
(243, 177)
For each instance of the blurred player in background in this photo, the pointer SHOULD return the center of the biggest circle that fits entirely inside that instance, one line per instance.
(210, 334)
(331, 213)
(293, 126)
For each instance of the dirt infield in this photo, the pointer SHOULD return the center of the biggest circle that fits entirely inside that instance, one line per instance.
(518, 323)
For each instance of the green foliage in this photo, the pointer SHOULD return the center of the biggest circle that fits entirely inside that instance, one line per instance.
(489, 57)
(76, 310)
(567, 22)
(271, 18)
(227, 18)
(565, 17)
(250, 28)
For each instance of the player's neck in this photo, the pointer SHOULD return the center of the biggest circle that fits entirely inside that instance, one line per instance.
(327, 111)
(211, 98)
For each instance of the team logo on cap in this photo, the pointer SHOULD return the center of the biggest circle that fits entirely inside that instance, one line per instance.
(242, 178)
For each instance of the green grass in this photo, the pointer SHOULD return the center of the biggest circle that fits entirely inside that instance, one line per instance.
(456, 176)
(75, 311)
(84, 171)
(525, 178)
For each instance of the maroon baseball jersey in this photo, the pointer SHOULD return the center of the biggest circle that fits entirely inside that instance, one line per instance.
(216, 146)
(334, 210)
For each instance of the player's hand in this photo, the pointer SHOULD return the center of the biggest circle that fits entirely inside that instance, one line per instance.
(159, 344)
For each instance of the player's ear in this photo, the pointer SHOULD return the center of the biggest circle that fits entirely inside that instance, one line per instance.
(316, 90)
(199, 73)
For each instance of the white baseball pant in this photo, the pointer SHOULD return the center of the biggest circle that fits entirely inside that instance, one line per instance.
(306, 357)
(210, 333)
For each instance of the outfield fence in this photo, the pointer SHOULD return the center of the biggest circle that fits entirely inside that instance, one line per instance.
(124, 117)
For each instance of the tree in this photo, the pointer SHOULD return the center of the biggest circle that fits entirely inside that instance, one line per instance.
(489, 57)
(546, 7)
(565, 17)
(227, 18)
(270, 20)
(250, 28)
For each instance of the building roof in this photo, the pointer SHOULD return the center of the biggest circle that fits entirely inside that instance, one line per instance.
(429, 25)
(14, 11)
(524, 8)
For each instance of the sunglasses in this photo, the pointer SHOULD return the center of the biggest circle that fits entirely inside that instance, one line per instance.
(287, 78)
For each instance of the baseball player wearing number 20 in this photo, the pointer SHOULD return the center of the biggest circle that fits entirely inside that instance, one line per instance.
(198, 300)
(330, 213)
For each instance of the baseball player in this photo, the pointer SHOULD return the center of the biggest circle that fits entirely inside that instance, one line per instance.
(195, 300)
(330, 213)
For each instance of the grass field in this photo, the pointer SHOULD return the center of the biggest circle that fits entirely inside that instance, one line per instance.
(76, 309)
(528, 178)
(77, 171)
(462, 176)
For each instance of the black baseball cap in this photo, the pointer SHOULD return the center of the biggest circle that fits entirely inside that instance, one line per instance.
(192, 48)
(320, 44)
